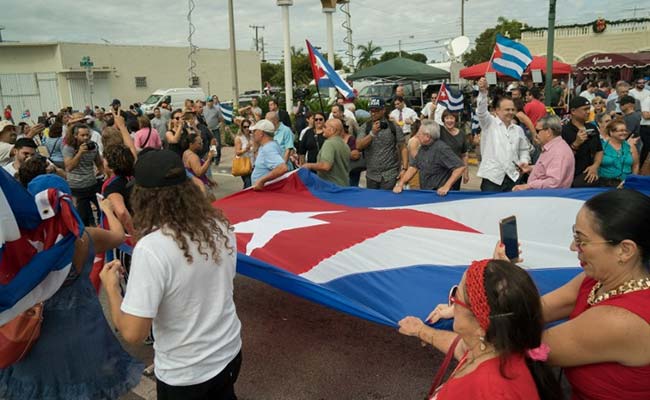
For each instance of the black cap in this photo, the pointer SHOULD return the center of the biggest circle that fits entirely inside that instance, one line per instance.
(578, 102)
(116, 102)
(627, 99)
(159, 168)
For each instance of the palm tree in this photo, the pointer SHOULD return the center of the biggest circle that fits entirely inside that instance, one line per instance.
(367, 53)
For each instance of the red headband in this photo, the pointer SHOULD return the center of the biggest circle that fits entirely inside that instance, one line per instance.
(475, 287)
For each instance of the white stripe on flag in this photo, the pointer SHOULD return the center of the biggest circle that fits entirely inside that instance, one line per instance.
(509, 64)
(515, 53)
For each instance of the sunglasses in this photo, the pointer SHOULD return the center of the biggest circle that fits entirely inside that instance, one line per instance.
(245, 127)
(453, 298)
(177, 118)
(319, 119)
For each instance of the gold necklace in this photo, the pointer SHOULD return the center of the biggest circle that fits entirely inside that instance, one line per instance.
(630, 286)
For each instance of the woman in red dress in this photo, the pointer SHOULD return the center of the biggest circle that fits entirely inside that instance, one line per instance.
(605, 345)
(498, 317)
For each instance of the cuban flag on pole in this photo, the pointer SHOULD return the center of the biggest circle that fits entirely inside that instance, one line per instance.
(37, 237)
(325, 75)
(447, 99)
(381, 256)
(226, 111)
(510, 58)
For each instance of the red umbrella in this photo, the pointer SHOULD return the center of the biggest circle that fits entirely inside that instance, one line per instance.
(479, 70)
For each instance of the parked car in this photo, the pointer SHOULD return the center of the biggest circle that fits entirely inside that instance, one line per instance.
(386, 90)
(176, 97)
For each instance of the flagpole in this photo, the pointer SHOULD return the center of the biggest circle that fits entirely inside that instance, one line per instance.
(320, 100)
(489, 61)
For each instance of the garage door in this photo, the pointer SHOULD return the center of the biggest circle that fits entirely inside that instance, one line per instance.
(80, 94)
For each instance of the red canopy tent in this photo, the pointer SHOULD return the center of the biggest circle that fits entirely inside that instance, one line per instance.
(479, 70)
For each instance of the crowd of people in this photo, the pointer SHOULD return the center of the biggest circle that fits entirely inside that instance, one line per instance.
(147, 181)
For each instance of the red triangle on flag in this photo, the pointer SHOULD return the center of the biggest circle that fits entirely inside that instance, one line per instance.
(443, 95)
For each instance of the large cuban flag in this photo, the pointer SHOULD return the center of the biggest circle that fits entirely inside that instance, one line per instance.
(382, 256)
(37, 236)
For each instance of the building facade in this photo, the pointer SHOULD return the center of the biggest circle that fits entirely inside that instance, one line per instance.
(576, 42)
(42, 77)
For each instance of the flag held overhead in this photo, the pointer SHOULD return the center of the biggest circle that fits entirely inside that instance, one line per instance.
(510, 58)
(325, 75)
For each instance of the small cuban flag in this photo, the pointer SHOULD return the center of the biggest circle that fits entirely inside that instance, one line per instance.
(447, 99)
(510, 58)
(226, 110)
(26, 114)
(325, 75)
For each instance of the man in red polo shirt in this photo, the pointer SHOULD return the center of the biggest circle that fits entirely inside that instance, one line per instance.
(534, 108)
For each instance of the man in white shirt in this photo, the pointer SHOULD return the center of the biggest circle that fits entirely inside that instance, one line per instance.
(402, 115)
(181, 283)
(8, 137)
(639, 92)
(590, 92)
(433, 110)
(504, 148)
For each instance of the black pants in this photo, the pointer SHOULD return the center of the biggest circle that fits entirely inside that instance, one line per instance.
(83, 197)
(217, 135)
(221, 387)
(386, 184)
(645, 139)
(505, 186)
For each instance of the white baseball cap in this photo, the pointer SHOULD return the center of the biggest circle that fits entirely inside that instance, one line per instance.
(264, 125)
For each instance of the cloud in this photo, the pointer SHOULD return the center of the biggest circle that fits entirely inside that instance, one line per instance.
(421, 25)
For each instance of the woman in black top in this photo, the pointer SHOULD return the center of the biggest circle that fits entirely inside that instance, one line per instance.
(451, 135)
(313, 140)
(177, 133)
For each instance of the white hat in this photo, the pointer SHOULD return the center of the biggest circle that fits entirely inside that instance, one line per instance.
(264, 125)
(4, 124)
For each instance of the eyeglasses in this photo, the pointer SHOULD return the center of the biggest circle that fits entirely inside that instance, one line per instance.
(453, 299)
(319, 119)
(177, 118)
(244, 127)
(580, 244)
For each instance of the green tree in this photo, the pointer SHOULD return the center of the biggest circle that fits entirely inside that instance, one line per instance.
(366, 57)
(485, 41)
(270, 71)
(394, 54)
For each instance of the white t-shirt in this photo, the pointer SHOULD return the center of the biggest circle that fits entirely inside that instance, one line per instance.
(10, 169)
(5, 153)
(588, 95)
(645, 107)
(195, 323)
(639, 94)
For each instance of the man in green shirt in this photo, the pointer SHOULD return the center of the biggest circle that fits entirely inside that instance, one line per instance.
(556, 93)
(333, 162)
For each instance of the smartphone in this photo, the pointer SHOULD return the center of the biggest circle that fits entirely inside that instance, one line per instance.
(100, 197)
(213, 148)
(590, 132)
(508, 232)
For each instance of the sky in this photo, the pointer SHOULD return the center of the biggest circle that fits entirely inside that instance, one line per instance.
(421, 25)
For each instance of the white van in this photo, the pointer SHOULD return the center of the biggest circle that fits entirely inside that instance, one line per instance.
(176, 97)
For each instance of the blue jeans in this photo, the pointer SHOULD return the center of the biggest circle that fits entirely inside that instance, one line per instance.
(247, 180)
(355, 176)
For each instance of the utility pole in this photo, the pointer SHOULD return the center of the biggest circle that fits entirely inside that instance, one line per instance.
(399, 47)
(233, 56)
(462, 17)
(257, 40)
(286, 33)
(550, 43)
(2, 28)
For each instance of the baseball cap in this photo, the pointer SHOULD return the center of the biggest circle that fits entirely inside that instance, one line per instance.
(159, 168)
(116, 102)
(578, 102)
(376, 102)
(4, 124)
(264, 125)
